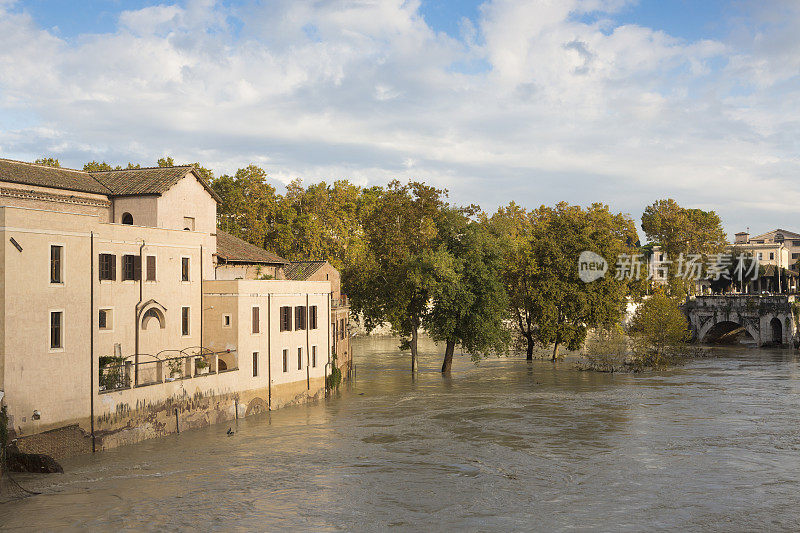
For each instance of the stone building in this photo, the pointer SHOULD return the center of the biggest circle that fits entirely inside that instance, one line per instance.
(120, 319)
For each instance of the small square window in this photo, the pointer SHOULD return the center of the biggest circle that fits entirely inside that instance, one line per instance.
(105, 319)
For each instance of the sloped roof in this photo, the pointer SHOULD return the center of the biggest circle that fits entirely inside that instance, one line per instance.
(144, 181)
(234, 250)
(786, 233)
(44, 176)
(127, 182)
(302, 270)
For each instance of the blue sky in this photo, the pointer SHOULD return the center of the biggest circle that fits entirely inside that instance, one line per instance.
(618, 101)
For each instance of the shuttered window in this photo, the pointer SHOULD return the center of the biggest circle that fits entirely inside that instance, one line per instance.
(256, 325)
(300, 317)
(108, 267)
(312, 317)
(286, 318)
(131, 267)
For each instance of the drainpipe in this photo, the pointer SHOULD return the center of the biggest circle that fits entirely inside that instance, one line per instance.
(91, 337)
(269, 352)
(136, 314)
(201, 299)
(308, 348)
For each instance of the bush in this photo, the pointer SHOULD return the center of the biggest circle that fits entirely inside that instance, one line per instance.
(606, 350)
(335, 377)
(659, 330)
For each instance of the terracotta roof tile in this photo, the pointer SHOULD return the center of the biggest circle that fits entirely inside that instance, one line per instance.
(235, 250)
(44, 176)
(302, 270)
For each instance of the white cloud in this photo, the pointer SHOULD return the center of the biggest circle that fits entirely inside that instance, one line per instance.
(532, 104)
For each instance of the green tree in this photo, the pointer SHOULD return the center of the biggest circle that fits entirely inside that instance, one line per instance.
(562, 306)
(511, 228)
(166, 161)
(394, 277)
(658, 326)
(682, 231)
(48, 161)
(469, 303)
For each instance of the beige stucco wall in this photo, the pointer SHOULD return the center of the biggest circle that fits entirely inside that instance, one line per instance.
(143, 209)
(188, 198)
(34, 197)
(237, 299)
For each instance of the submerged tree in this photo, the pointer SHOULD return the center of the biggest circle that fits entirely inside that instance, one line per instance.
(469, 303)
(562, 305)
(394, 277)
(658, 326)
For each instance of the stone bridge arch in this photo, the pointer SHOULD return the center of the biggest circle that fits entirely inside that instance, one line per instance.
(767, 319)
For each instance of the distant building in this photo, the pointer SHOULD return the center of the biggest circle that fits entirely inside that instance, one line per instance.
(775, 250)
(238, 259)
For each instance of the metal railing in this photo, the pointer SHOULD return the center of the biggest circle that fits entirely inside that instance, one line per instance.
(164, 367)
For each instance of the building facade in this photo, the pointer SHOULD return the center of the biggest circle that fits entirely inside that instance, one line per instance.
(113, 323)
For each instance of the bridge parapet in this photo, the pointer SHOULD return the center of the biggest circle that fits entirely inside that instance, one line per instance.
(767, 318)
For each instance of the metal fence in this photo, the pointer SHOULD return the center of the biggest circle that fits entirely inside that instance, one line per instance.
(117, 373)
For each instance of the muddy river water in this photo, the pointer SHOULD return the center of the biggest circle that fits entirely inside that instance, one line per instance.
(505, 445)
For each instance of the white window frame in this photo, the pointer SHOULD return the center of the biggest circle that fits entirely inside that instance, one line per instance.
(113, 312)
(180, 321)
(63, 260)
(63, 329)
(230, 320)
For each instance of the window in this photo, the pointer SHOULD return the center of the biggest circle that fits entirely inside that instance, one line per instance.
(300, 317)
(131, 267)
(255, 364)
(795, 256)
(188, 223)
(256, 325)
(151, 268)
(184, 269)
(105, 319)
(184, 321)
(341, 328)
(56, 264)
(108, 267)
(56, 330)
(286, 318)
(127, 219)
(226, 321)
(299, 359)
(312, 317)
(772, 255)
(314, 356)
(285, 360)
(759, 256)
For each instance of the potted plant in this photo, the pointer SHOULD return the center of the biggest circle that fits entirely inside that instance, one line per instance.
(201, 366)
(175, 369)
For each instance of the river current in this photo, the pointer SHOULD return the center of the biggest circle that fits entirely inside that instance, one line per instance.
(504, 445)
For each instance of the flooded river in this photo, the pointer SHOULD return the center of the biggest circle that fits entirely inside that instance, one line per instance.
(505, 445)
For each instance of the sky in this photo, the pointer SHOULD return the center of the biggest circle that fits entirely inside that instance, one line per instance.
(533, 101)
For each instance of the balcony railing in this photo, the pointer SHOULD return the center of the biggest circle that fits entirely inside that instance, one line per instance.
(342, 301)
(164, 367)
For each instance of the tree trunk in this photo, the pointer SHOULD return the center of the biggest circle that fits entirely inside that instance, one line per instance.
(529, 352)
(414, 349)
(448, 356)
(555, 352)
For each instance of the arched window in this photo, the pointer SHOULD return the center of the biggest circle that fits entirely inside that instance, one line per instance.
(127, 218)
(153, 314)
